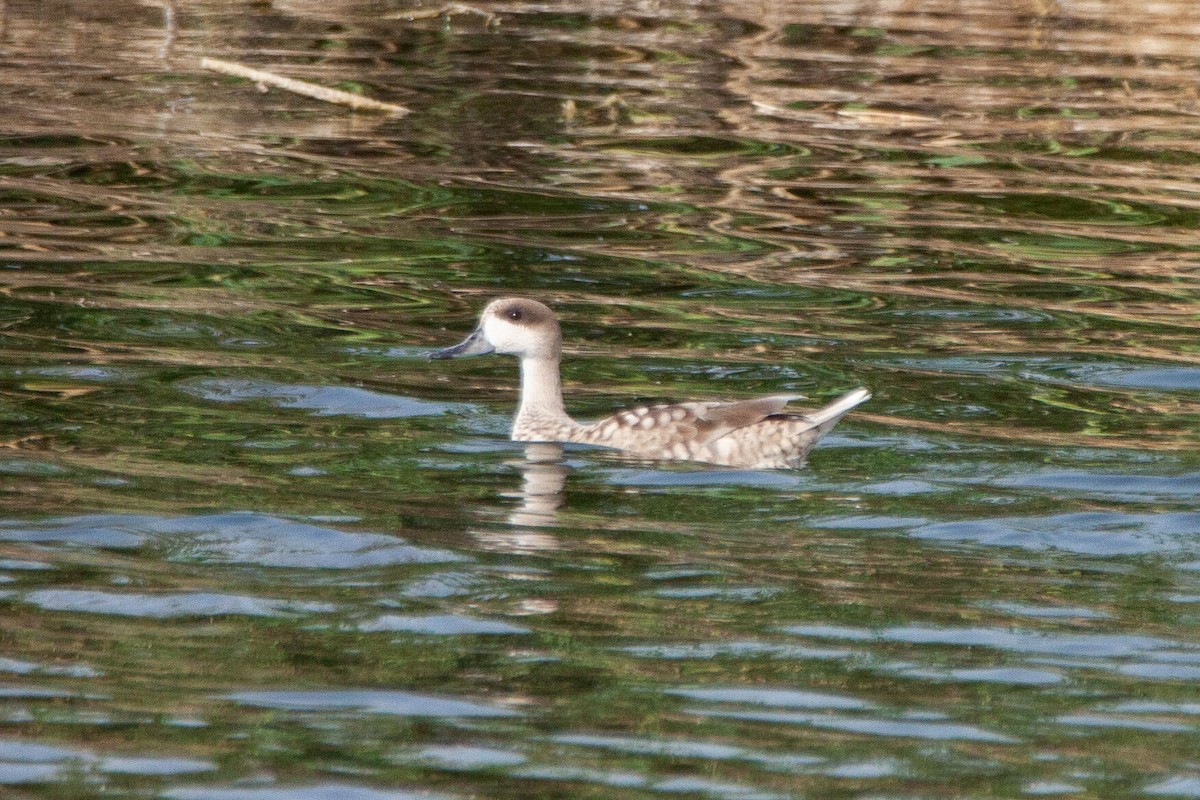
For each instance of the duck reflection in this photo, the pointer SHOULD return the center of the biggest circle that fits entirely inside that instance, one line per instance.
(543, 476)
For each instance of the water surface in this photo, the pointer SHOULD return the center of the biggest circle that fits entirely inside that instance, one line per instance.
(254, 546)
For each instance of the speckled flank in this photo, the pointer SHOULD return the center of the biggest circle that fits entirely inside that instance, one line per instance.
(756, 433)
(674, 432)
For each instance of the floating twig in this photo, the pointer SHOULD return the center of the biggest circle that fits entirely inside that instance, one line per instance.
(264, 78)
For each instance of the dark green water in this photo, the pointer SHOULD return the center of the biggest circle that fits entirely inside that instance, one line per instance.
(254, 546)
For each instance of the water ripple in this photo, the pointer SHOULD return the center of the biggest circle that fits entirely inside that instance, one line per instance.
(773, 698)
(439, 625)
(372, 701)
(323, 401)
(1089, 645)
(323, 791)
(1095, 533)
(912, 729)
(232, 538)
(168, 606)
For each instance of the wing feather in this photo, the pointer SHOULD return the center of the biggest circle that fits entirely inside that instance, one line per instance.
(719, 420)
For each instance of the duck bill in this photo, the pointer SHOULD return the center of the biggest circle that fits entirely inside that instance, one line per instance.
(473, 345)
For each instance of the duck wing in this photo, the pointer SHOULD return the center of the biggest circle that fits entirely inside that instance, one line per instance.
(714, 421)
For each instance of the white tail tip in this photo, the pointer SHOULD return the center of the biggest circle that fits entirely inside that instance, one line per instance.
(839, 407)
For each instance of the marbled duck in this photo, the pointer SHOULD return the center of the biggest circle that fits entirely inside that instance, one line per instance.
(755, 434)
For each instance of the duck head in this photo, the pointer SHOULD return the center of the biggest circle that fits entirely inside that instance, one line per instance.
(511, 326)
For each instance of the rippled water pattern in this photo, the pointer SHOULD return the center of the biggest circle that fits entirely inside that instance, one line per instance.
(255, 547)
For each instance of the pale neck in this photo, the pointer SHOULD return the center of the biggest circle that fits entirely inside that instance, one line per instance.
(541, 390)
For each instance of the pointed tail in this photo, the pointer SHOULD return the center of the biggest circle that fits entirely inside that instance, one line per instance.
(825, 418)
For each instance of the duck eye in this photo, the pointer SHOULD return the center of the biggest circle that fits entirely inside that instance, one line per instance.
(514, 314)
